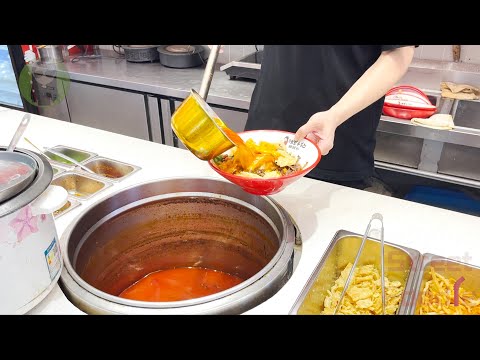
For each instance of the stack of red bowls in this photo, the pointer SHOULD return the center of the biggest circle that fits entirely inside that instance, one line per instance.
(407, 102)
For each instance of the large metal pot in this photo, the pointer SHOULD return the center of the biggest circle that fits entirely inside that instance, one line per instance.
(181, 56)
(30, 259)
(140, 53)
(172, 223)
(51, 54)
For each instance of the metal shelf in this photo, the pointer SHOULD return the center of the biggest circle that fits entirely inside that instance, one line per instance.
(459, 135)
(428, 174)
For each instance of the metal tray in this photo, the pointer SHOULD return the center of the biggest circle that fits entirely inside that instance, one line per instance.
(445, 267)
(110, 169)
(79, 185)
(69, 206)
(77, 154)
(57, 170)
(401, 264)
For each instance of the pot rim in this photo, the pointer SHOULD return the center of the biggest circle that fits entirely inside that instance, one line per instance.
(197, 50)
(139, 47)
(34, 189)
(281, 254)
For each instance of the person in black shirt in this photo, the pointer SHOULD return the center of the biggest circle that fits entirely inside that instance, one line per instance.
(333, 95)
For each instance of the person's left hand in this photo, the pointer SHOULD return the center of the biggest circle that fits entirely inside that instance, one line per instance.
(320, 128)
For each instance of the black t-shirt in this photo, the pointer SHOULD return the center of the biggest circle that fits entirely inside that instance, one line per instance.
(297, 81)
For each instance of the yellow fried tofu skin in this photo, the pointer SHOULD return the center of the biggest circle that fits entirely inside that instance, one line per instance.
(364, 295)
(285, 159)
(263, 160)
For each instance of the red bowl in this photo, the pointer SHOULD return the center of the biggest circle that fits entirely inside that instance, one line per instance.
(407, 102)
(407, 113)
(308, 152)
(406, 94)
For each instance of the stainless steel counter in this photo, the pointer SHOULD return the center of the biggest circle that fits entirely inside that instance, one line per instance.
(113, 70)
(153, 78)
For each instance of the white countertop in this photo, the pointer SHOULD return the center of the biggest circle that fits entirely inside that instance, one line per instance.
(320, 209)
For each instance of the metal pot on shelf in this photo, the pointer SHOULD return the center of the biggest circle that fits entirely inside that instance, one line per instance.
(140, 53)
(181, 56)
(51, 54)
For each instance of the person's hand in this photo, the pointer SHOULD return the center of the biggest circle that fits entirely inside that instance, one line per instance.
(320, 128)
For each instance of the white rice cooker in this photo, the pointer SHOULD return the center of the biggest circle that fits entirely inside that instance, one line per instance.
(30, 258)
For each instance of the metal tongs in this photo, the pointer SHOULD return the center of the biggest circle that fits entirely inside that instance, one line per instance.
(378, 217)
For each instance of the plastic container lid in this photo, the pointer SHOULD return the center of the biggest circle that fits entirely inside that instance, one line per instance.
(12, 174)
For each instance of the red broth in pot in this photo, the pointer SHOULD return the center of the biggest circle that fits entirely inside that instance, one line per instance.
(180, 284)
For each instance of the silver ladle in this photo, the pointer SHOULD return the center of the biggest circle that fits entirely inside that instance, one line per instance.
(18, 134)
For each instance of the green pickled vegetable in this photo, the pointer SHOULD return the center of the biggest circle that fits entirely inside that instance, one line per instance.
(218, 159)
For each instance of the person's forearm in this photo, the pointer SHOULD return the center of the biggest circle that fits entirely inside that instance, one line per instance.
(374, 83)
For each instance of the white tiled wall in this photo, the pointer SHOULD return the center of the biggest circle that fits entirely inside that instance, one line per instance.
(105, 47)
(468, 53)
(235, 52)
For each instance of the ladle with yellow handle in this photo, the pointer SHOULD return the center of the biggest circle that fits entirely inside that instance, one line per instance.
(196, 124)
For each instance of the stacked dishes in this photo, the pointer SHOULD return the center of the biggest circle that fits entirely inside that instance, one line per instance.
(407, 102)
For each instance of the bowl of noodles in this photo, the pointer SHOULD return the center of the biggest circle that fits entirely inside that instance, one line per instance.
(266, 161)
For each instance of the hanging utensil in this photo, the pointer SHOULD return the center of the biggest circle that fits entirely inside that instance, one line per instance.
(208, 73)
(59, 154)
(378, 217)
(20, 130)
(17, 170)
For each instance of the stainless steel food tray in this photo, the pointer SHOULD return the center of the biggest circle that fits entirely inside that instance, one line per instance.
(447, 268)
(401, 264)
(57, 170)
(80, 186)
(69, 206)
(77, 154)
(109, 169)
